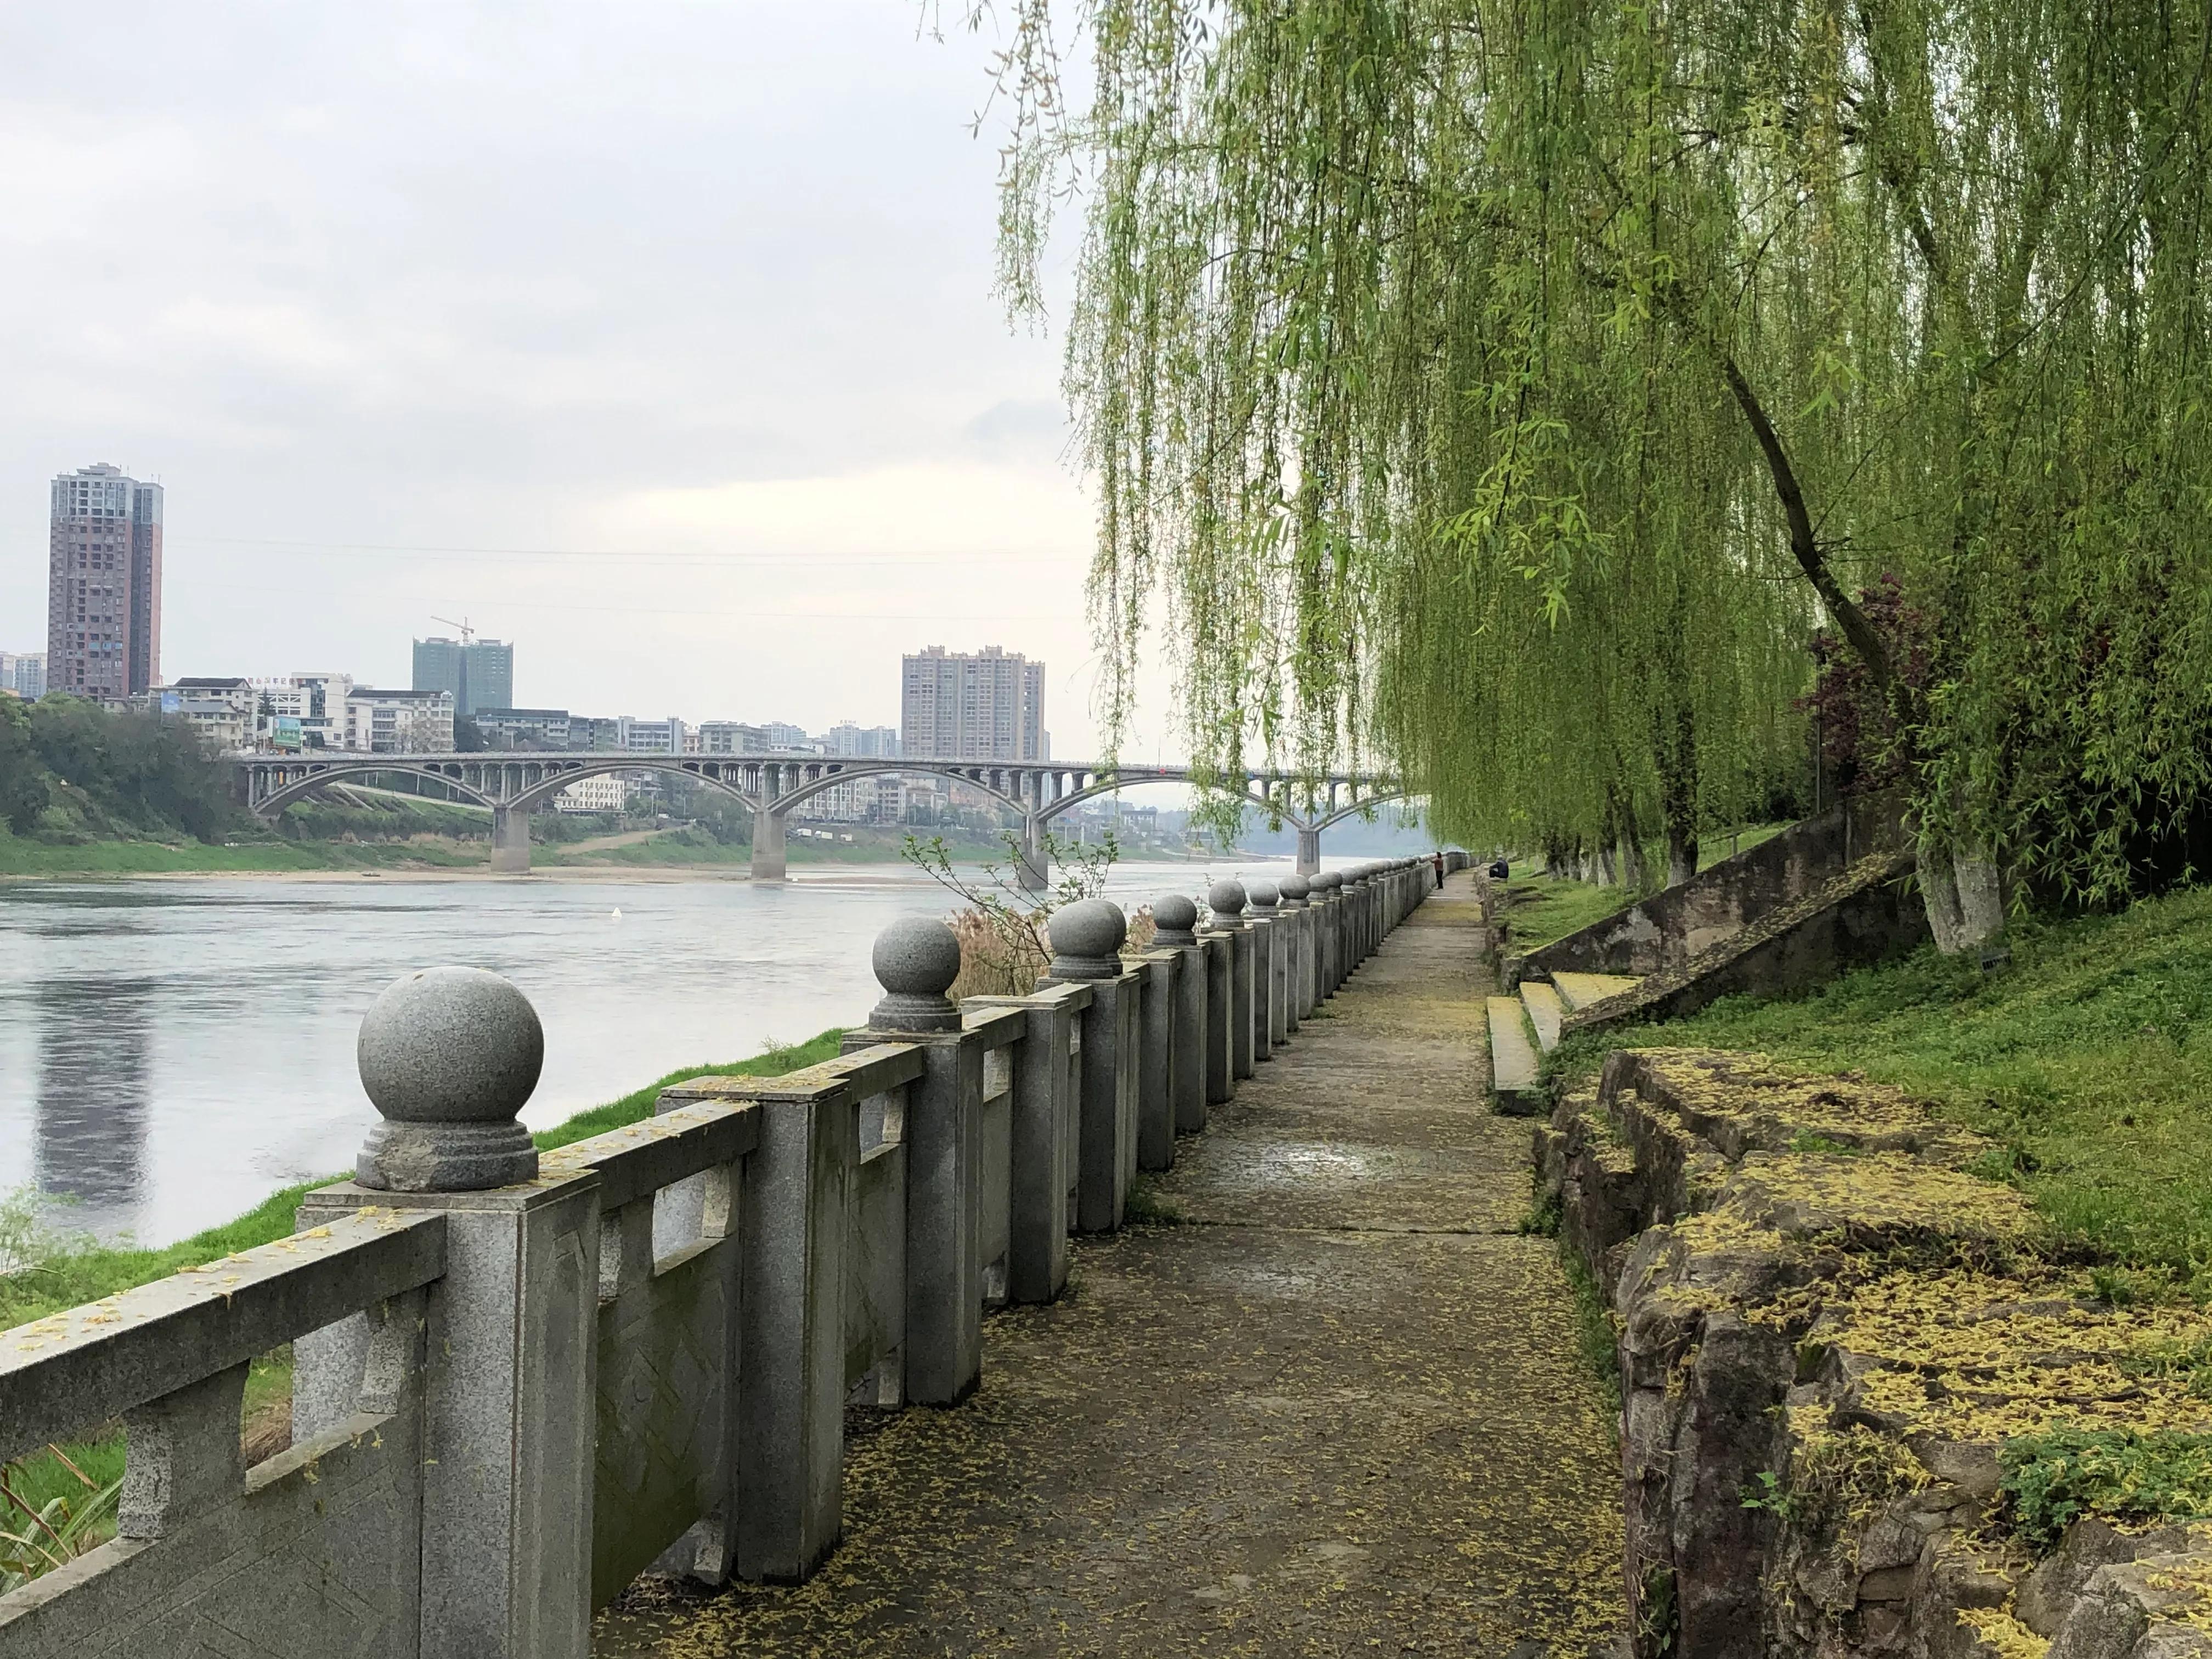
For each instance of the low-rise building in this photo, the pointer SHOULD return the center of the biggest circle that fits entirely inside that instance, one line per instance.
(650, 737)
(608, 793)
(220, 709)
(731, 738)
(394, 722)
(595, 731)
(524, 728)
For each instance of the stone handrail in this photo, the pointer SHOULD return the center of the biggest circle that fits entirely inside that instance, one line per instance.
(522, 1380)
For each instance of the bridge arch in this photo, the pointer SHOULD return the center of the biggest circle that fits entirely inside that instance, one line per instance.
(536, 795)
(1359, 806)
(851, 771)
(278, 799)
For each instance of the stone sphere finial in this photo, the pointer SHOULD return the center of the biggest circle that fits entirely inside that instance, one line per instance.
(916, 959)
(1295, 889)
(1225, 899)
(1327, 882)
(449, 1056)
(1176, 920)
(1264, 895)
(1086, 939)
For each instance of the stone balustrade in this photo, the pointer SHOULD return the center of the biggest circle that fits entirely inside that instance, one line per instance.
(521, 1381)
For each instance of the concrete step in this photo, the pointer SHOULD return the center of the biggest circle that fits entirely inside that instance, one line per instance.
(1512, 1060)
(1580, 990)
(1546, 1011)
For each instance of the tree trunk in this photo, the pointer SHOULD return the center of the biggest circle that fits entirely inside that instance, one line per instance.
(1963, 895)
(1681, 856)
(1630, 862)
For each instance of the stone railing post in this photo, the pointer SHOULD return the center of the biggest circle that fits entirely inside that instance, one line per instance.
(1328, 932)
(1272, 1023)
(794, 1188)
(1221, 1015)
(1260, 922)
(1297, 971)
(1086, 942)
(916, 959)
(1227, 901)
(1156, 1072)
(449, 1056)
(1176, 918)
(1041, 1155)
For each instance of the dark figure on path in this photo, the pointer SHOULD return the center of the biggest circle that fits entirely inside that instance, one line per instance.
(1440, 868)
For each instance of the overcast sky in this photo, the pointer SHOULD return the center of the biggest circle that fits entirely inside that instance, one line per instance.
(656, 337)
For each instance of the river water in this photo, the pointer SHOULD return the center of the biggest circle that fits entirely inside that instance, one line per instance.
(172, 1051)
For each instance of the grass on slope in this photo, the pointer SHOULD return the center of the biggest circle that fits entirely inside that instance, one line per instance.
(1547, 908)
(1542, 908)
(2089, 1058)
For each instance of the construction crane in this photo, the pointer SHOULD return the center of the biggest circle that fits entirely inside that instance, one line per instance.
(467, 632)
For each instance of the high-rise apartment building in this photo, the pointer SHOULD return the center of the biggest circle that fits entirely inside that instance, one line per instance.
(104, 585)
(983, 706)
(480, 673)
(24, 673)
(867, 742)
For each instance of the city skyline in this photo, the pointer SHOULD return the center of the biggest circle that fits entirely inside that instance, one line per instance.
(382, 390)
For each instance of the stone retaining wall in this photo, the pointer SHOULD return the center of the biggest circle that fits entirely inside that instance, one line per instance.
(1684, 921)
(1829, 1331)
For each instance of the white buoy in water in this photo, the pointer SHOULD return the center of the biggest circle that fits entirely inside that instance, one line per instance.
(617, 912)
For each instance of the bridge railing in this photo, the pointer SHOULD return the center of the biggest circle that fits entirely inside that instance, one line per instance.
(522, 1380)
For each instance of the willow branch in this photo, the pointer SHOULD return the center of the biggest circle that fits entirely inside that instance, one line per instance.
(1803, 544)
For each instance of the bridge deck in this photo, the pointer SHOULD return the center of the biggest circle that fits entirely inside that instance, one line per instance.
(1338, 1409)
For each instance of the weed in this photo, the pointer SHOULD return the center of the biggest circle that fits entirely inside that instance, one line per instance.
(1542, 1219)
(2052, 1480)
(1146, 1206)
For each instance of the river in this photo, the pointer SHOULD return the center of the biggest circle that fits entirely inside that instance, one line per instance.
(172, 1051)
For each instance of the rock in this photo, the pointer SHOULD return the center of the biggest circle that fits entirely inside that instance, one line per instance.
(2050, 1591)
(1970, 1465)
(2137, 1610)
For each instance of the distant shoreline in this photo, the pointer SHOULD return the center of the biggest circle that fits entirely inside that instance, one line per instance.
(669, 873)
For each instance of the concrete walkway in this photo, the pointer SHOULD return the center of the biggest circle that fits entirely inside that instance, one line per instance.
(1337, 1410)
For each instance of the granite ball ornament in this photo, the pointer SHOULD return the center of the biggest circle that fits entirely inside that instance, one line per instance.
(1175, 919)
(1086, 939)
(916, 959)
(449, 1056)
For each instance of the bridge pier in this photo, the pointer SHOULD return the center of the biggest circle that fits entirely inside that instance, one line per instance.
(510, 840)
(767, 845)
(1034, 868)
(1308, 851)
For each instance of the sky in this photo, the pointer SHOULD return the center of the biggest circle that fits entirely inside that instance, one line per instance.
(656, 337)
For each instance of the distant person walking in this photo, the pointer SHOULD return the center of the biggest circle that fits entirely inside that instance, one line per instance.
(1440, 867)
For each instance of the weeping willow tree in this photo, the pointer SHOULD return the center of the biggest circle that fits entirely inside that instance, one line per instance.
(1506, 391)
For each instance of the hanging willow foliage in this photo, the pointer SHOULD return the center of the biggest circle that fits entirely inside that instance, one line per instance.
(1507, 389)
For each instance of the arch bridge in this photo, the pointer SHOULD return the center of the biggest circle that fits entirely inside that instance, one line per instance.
(512, 784)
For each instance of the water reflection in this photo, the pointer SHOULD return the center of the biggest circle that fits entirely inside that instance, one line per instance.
(95, 1091)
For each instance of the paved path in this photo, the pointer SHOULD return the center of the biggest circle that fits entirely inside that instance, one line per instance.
(1336, 1410)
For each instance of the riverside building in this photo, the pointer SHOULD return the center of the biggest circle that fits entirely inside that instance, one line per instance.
(104, 585)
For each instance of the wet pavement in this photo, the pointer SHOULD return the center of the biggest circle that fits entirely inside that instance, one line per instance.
(1335, 1409)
